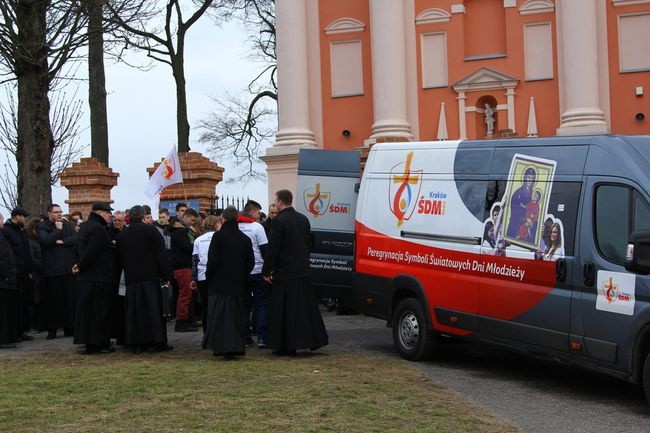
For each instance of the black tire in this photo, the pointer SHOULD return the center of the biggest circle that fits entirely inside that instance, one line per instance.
(646, 377)
(411, 335)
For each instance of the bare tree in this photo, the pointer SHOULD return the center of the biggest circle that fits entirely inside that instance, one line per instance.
(166, 45)
(240, 127)
(65, 115)
(38, 38)
(103, 36)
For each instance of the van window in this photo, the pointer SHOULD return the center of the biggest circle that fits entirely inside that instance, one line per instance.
(641, 213)
(612, 221)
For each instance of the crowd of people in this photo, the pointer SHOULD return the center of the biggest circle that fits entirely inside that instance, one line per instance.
(118, 278)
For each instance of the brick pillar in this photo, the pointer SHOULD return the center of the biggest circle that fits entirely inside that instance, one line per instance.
(87, 181)
(200, 179)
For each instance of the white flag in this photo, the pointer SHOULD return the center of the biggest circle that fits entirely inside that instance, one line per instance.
(167, 173)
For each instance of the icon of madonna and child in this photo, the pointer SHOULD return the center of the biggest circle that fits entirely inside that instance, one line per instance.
(521, 217)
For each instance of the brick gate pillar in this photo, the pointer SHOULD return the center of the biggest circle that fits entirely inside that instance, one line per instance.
(87, 181)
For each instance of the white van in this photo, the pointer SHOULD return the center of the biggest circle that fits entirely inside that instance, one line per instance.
(542, 245)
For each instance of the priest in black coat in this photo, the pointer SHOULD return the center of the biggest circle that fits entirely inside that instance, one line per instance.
(230, 261)
(145, 263)
(95, 272)
(295, 321)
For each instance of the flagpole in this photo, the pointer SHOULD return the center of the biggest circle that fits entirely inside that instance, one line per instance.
(185, 193)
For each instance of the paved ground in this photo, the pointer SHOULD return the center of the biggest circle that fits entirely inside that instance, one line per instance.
(538, 396)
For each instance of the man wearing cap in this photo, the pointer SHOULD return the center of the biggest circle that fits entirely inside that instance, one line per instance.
(14, 232)
(95, 272)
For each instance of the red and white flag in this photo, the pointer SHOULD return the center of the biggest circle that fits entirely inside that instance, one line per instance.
(167, 173)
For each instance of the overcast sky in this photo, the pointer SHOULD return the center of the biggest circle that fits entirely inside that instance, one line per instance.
(142, 109)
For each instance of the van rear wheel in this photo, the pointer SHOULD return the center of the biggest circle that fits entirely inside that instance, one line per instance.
(410, 334)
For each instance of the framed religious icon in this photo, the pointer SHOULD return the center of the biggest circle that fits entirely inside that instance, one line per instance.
(525, 201)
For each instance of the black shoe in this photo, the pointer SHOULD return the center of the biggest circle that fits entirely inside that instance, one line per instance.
(26, 337)
(51, 335)
(7, 346)
(284, 352)
(185, 326)
(164, 348)
(105, 350)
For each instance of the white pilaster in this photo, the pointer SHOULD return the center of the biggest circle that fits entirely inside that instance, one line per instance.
(510, 97)
(293, 75)
(389, 70)
(462, 120)
(580, 85)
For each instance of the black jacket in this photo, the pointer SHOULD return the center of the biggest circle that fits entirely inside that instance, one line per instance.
(57, 259)
(19, 243)
(182, 241)
(96, 251)
(142, 253)
(7, 266)
(230, 261)
(287, 256)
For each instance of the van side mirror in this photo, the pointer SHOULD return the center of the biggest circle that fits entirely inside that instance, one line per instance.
(637, 258)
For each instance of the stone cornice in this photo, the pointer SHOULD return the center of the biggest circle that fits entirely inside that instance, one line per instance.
(345, 25)
(433, 15)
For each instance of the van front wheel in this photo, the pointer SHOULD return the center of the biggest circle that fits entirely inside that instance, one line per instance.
(646, 377)
(410, 334)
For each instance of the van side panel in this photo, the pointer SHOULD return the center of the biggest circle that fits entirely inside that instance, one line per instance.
(327, 196)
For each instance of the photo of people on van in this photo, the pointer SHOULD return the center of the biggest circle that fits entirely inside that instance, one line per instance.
(526, 200)
(520, 219)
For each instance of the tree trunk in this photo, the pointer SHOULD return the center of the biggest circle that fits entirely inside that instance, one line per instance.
(34, 133)
(182, 124)
(97, 82)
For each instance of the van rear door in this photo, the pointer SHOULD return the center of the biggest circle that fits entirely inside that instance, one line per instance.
(327, 195)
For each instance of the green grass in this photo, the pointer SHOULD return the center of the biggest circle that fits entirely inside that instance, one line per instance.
(191, 391)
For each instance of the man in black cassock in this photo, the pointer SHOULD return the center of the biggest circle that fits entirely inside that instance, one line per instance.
(8, 296)
(143, 256)
(95, 272)
(295, 321)
(57, 238)
(230, 261)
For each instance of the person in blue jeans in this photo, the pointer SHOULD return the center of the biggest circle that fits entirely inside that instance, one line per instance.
(250, 226)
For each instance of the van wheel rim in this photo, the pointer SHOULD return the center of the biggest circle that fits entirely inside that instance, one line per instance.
(409, 330)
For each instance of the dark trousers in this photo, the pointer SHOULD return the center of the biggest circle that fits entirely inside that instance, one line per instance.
(25, 302)
(260, 290)
(8, 321)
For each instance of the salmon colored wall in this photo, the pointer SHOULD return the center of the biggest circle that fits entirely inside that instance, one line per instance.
(485, 30)
(546, 92)
(624, 104)
(354, 113)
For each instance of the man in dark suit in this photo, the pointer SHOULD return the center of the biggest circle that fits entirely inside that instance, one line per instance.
(295, 321)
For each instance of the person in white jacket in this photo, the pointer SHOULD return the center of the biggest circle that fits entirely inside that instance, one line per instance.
(211, 225)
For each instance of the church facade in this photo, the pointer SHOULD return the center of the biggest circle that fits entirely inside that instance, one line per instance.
(352, 73)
